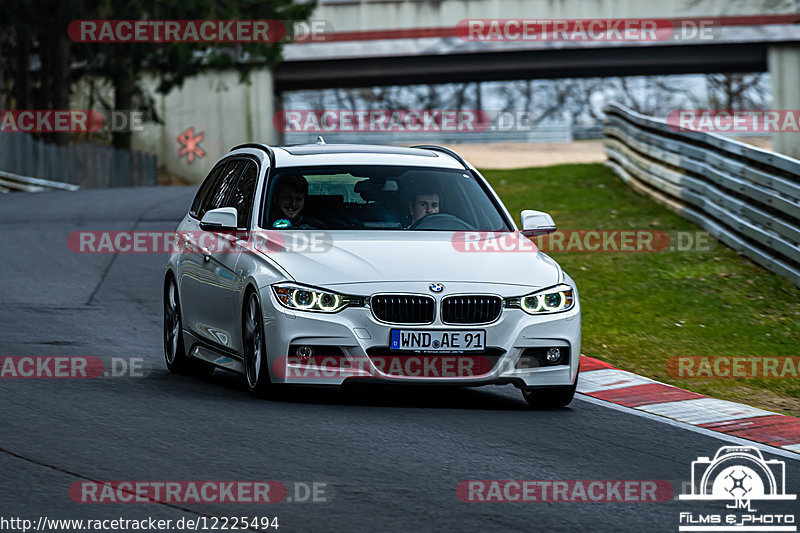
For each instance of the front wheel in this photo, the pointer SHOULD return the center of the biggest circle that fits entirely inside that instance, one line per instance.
(256, 365)
(551, 397)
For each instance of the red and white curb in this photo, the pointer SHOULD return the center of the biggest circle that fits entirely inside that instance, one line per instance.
(601, 380)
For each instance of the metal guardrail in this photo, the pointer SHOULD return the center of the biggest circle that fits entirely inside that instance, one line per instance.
(745, 197)
(14, 182)
(83, 164)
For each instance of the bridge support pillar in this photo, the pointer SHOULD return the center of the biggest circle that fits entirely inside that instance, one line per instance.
(783, 62)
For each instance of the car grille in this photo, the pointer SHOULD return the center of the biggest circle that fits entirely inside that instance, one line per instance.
(471, 309)
(403, 308)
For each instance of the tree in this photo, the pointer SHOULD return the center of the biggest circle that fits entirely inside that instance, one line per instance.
(39, 52)
(124, 64)
(47, 62)
(737, 91)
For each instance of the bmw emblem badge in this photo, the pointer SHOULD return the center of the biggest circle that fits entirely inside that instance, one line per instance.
(436, 287)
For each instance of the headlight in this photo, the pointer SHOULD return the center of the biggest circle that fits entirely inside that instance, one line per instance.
(553, 300)
(308, 299)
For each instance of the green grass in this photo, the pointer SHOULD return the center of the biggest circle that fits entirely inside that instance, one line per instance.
(640, 309)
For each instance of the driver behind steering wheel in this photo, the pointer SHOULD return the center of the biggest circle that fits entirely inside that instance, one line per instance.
(424, 202)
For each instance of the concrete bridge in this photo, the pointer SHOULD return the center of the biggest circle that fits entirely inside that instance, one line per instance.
(397, 42)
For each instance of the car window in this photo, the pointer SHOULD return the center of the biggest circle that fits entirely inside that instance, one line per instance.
(338, 184)
(197, 210)
(221, 192)
(243, 193)
(372, 197)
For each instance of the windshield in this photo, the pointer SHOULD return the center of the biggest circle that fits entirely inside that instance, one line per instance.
(380, 198)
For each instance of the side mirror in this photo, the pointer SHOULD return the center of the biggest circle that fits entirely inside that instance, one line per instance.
(222, 219)
(537, 223)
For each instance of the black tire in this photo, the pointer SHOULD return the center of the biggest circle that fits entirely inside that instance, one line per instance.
(178, 362)
(550, 397)
(256, 362)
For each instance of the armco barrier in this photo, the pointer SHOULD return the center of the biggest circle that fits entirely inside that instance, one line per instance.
(14, 182)
(746, 197)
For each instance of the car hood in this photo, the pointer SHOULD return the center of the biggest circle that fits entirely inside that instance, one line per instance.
(345, 257)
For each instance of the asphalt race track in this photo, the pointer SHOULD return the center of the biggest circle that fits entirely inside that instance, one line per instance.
(390, 459)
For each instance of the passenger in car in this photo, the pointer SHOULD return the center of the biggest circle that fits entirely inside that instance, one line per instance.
(288, 204)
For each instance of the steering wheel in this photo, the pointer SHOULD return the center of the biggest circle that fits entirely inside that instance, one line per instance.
(441, 221)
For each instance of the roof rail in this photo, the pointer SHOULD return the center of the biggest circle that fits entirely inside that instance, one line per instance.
(444, 150)
(260, 146)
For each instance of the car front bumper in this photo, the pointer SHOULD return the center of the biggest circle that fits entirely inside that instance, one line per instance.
(356, 335)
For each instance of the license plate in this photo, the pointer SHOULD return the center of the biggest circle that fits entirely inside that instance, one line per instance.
(438, 340)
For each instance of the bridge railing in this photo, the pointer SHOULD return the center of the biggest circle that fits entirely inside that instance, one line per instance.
(536, 134)
(82, 164)
(746, 197)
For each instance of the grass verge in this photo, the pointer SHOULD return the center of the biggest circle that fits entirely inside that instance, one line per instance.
(641, 309)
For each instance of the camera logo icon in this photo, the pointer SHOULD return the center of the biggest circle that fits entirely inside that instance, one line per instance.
(738, 473)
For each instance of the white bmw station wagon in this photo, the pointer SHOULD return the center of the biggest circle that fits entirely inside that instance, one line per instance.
(326, 264)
